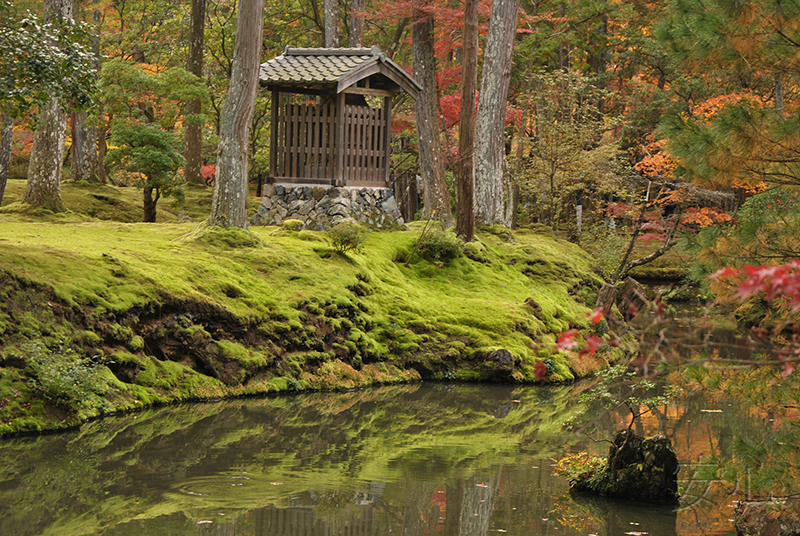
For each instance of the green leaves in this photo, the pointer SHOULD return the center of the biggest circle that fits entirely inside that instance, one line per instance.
(39, 60)
(147, 111)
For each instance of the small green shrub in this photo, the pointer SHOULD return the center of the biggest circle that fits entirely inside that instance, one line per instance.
(585, 471)
(293, 225)
(439, 248)
(347, 236)
(63, 378)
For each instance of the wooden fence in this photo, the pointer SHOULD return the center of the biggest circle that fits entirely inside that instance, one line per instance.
(365, 145)
(306, 141)
(306, 145)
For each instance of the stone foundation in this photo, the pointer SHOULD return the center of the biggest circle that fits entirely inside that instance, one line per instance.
(322, 207)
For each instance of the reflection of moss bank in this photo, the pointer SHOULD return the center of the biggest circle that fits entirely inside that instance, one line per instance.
(141, 466)
(169, 312)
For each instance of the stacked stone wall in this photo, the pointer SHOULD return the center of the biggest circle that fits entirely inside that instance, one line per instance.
(322, 207)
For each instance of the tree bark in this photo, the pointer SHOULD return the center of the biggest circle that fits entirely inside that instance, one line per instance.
(436, 195)
(465, 185)
(331, 23)
(193, 149)
(229, 204)
(84, 148)
(492, 181)
(47, 153)
(5, 152)
(357, 8)
(102, 149)
(150, 203)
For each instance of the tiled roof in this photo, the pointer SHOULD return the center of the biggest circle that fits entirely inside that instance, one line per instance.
(314, 65)
(325, 66)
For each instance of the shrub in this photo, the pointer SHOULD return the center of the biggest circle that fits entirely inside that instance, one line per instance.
(63, 378)
(346, 236)
(439, 248)
(585, 471)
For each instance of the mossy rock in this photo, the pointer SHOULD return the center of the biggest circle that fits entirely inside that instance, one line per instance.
(293, 225)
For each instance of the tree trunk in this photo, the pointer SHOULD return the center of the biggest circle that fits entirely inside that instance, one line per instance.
(357, 23)
(47, 153)
(465, 185)
(331, 23)
(492, 181)
(150, 205)
(229, 204)
(102, 149)
(84, 148)
(193, 150)
(5, 152)
(436, 194)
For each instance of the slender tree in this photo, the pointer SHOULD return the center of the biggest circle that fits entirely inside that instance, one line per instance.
(357, 8)
(229, 204)
(465, 185)
(5, 151)
(436, 194)
(47, 154)
(84, 148)
(492, 186)
(331, 24)
(194, 128)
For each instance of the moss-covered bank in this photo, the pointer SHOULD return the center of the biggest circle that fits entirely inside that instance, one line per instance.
(101, 316)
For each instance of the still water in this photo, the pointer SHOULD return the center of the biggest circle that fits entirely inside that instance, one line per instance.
(416, 460)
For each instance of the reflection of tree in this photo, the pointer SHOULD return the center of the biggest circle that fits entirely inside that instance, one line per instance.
(477, 505)
(271, 521)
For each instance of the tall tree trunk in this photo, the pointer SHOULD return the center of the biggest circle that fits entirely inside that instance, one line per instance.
(331, 23)
(5, 152)
(229, 204)
(150, 203)
(357, 8)
(102, 148)
(492, 182)
(465, 185)
(84, 148)
(193, 150)
(47, 153)
(436, 194)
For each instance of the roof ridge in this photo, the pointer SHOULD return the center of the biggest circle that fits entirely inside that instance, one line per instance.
(375, 50)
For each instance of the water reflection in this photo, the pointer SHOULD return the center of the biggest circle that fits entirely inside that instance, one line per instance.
(416, 460)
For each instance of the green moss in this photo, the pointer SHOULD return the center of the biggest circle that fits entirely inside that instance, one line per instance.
(136, 343)
(234, 351)
(231, 312)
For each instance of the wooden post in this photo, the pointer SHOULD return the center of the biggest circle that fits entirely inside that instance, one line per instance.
(339, 142)
(273, 135)
(387, 138)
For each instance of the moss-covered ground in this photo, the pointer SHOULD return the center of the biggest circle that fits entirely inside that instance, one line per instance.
(100, 314)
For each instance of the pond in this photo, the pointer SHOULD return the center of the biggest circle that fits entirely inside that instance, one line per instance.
(417, 460)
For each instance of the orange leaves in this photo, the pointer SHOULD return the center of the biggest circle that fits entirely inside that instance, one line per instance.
(705, 217)
(709, 108)
(654, 161)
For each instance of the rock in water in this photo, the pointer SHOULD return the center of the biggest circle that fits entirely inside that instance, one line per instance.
(499, 365)
(776, 517)
(644, 469)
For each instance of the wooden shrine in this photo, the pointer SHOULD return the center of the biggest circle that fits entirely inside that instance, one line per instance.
(332, 115)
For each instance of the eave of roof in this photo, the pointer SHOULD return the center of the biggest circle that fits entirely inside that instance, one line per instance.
(337, 68)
